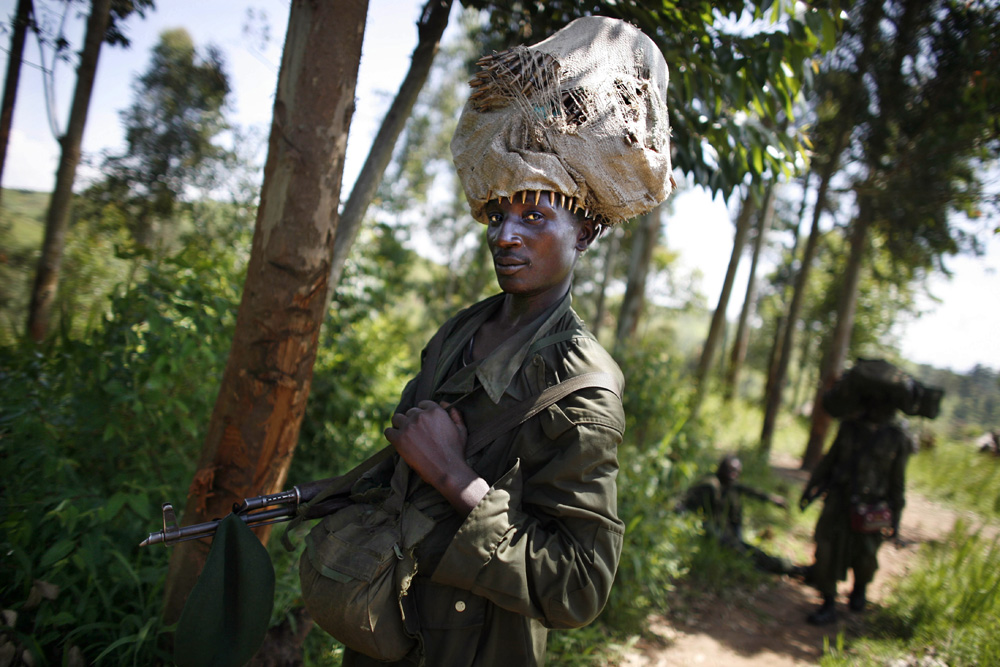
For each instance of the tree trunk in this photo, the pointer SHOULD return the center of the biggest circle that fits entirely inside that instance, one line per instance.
(433, 21)
(46, 283)
(806, 364)
(779, 328)
(610, 262)
(719, 317)
(772, 401)
(647, 235)
(19, 29)
(873, 11)
(742, 337)
(255, 423)
(841, 340)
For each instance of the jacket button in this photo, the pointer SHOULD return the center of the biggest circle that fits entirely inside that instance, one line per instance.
(459, 606)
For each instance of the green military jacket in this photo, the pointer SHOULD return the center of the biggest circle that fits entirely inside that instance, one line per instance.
(541, 549)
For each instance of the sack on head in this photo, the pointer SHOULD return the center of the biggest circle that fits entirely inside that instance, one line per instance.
(876, 382)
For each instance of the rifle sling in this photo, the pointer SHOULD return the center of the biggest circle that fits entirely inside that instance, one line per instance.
(335, 495)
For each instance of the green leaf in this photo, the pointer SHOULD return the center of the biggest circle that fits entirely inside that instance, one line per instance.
(56, 553)
(227, 613)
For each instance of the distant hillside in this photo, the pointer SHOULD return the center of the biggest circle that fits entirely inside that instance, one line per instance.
(22, 218)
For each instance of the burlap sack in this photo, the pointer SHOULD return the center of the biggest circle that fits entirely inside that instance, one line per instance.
(582, 114)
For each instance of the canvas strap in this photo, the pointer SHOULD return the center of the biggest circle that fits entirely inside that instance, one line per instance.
(334, 495)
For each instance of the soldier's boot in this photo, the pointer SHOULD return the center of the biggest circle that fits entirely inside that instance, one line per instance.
(857, 600)
(825, 614)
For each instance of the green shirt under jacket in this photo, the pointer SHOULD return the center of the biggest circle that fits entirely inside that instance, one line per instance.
(540, 550)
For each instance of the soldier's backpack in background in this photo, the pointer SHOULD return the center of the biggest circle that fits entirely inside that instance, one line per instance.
(876, 381)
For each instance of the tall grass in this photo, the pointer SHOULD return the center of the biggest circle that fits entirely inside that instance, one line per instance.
(959, 475)
(948, 607)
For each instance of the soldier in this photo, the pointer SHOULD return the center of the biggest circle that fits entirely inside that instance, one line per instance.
(863, 476)
(719, 498)
(558, 141)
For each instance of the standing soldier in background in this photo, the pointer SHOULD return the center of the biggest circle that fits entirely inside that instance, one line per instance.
(863, 476)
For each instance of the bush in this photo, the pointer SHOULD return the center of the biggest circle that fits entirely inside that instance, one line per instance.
(95, 433)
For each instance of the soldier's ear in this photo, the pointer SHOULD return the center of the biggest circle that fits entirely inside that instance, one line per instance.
(589, 231)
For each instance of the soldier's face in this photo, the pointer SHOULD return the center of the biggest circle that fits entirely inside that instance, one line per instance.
(535, 246)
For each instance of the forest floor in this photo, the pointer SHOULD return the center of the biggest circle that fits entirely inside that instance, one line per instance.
(766, 627)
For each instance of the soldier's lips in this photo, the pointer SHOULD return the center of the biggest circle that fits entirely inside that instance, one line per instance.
(508, 265)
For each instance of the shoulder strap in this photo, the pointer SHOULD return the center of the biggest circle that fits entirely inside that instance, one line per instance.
(340, 487)
(524, 410)
(558, 337)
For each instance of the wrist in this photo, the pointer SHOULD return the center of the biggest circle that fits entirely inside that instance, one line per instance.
(463, 488)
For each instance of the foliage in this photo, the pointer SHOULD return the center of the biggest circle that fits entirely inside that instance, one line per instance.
(960, 475)
(658, 460)
(171, 135)
(971, 403)
(94, 434)
(22, 224)
(736, 72)
(948, 608)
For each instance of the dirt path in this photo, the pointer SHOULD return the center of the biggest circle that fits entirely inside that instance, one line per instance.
(766, 627)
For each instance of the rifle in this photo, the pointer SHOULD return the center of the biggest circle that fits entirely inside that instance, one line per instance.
(811, 494)
(255, 512)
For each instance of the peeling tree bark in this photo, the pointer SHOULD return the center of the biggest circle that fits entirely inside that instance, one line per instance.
(255, 423)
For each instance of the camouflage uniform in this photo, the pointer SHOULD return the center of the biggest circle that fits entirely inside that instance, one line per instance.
(866, 464)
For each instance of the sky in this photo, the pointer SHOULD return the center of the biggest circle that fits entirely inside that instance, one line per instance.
(958, 331)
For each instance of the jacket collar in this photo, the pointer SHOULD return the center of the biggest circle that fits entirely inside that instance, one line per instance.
(496, 371)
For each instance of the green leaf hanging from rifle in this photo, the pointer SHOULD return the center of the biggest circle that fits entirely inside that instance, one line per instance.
(227, 613)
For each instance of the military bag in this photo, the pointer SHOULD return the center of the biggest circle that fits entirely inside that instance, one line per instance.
(871, 518)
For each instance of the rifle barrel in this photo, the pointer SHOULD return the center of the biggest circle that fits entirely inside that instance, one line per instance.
(207, 529)
(250, 511)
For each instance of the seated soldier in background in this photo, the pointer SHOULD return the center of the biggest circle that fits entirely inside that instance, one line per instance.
(719, 498)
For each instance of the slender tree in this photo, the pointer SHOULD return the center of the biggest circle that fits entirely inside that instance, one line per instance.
(609, 264)
(255, 424)
(646, 232)
(742, 336)
(928, 138)
(46, 282)
(715, 330)
(430, 27)
(848, 99)
(21, 21)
